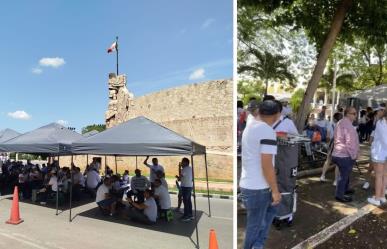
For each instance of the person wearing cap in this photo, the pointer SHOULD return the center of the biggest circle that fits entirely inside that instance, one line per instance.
(379, 157)
(345, 153)
(258, 183)
(154, 167)
(284, 123)
(138, 184)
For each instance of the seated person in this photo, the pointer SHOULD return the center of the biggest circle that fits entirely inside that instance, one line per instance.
(125, 177)
(138, 185)
(50, 188)
(92, 180)
(145, 212)
(103, 198)
(161, 176)
(162, 197)
(79, 182)
(116, 186)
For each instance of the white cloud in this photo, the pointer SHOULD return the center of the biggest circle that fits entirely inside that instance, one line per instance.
(54, 62)
(62, 122)
(19, 115)
(37, 70)
(197, 74)
(207, 23)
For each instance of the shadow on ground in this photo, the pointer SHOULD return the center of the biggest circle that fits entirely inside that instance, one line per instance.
(176, 226)
(316, 210)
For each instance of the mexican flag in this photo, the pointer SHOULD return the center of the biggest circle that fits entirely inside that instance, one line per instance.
(113, 47)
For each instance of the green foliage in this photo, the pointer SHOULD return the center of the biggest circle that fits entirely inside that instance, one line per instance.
(97, 127)
(266, 66)
(22, 156)
(248, 89)
(296, 99)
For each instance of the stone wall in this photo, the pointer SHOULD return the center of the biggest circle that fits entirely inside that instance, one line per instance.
(201, 112)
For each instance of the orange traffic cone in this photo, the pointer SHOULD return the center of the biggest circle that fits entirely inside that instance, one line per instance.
(213, 242)
(15, 215)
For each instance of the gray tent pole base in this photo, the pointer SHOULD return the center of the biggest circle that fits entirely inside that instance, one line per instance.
(57, 190)
(208, 189)
(194, 197)
(71, 186)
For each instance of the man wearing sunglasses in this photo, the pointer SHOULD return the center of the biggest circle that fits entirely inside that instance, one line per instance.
(345, 153)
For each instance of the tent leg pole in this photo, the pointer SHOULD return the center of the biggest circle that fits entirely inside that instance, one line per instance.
(115, 159)
(57, 189)
(105, 165)
(71, 186)
(208, 189)
(136, 163)
(194, 197)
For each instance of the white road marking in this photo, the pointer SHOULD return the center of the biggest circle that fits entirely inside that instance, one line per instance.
(223, 218)
(328, 232)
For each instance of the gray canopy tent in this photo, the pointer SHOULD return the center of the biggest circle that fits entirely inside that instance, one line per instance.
(52, 139)
(6, 135)
(142, 137)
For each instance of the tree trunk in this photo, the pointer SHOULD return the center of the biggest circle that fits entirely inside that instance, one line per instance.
(318, 71)
(267, 85)
(333, 108)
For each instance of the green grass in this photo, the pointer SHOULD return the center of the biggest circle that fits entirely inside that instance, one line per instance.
(213, 192)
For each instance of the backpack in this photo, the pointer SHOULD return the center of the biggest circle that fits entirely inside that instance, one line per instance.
(316, 137)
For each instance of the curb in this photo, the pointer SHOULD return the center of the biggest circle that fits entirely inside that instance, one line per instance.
(216, 196)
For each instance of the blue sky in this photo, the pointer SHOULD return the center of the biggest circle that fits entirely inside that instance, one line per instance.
(54, 65)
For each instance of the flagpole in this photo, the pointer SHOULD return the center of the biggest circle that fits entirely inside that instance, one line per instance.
(117, 53)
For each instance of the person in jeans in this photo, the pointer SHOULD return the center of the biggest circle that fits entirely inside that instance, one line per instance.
(258, 183)
(186, 189)
(345, 153)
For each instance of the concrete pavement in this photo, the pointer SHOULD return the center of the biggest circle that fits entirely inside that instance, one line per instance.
(44, 230)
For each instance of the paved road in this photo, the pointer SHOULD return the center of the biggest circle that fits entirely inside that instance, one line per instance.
(44, 230)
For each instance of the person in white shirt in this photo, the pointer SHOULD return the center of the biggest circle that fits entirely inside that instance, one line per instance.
(51, 187)
(92, 180)
(103, 198)
(154, 167)
(258, 183)
(162, 197)
(161, 176)
(125, 177)
(186, 188)
(284, 123)
(379, 157)
(78, 183)
(145, 212)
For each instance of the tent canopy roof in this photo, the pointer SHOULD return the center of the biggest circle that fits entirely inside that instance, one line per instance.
(137, 137)
(49, 139)
(8, 134)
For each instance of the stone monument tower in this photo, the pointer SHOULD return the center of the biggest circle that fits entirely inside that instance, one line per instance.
(121, 101)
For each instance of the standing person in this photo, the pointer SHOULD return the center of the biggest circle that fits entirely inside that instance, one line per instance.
(362, 125)
(336, 118)
(345, 153)
(258, 183)
(379, 157)
(186, 189)
(154, 167)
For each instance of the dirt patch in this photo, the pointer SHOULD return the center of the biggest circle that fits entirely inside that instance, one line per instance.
(367, 232)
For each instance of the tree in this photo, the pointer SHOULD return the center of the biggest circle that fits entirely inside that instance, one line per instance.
(97, 127)
(266, 66)
(325, 21)
(296, 99)
(248, 89)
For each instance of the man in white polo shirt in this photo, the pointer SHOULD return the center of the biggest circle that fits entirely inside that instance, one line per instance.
(186, 188)
(258, 184)
(154, 167)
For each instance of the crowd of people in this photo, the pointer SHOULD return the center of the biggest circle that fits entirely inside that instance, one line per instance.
(138, 197)
(340, 135)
